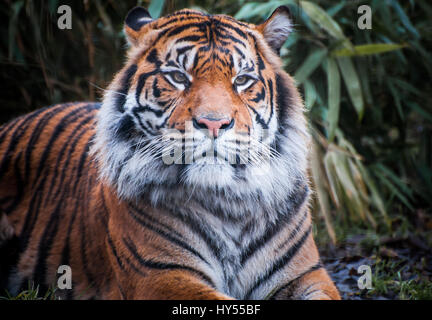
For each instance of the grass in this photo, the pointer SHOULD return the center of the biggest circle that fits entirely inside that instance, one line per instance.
(388, 279)
(32, 293)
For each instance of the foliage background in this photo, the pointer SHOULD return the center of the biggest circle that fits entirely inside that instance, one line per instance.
(367, 92)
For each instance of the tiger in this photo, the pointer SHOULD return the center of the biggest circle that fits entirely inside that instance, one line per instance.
(189, 180)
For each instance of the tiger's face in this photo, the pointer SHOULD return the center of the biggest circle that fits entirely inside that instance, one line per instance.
(202, 102)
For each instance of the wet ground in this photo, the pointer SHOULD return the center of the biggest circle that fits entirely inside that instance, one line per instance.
(401, 268)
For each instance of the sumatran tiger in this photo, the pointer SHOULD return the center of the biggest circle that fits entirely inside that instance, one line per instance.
(188, 181)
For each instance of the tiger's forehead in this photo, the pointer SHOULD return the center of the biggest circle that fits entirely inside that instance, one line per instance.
(195, 41)
(185, 19)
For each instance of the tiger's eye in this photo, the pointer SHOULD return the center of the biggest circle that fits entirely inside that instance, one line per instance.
(179, 77)
(241, 80)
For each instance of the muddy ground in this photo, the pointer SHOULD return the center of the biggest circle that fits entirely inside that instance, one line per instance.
(401, 267)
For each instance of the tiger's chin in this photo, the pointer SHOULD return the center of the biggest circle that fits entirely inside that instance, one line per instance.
(218, 175)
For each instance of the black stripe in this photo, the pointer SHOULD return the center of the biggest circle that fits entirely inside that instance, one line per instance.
(280, 263)
(192, 38)
(73, 140)
(152, 57)
(139, 109)
(177, 30)
(236, 21)
(232, 28)
(283, 99)
(161, 265)
(141, 82)
(311, 269)
(143, 214)
(270, 85)
(207, 235)
(44, 247)
(124, 87)
(5, 128)
(114, 251)
(156, 90)
(258, 118)
(125, 128)
(19, 184)
(82, 162)
(269, 234)
(135, 268)
(188, 18)
(259, 96)
(167, 236)
(188, 14)
(227, 36)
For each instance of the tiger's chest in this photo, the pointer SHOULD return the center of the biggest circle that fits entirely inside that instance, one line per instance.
(240, 253)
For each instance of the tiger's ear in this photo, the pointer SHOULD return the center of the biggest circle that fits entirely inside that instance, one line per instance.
(277, 28)
(135, 20)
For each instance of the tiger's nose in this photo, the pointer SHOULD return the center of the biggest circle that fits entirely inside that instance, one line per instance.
(213, 125)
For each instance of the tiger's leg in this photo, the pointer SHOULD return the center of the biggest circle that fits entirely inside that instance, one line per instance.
(139, 278)
(315, 285)
(169, 285)
(306, 278)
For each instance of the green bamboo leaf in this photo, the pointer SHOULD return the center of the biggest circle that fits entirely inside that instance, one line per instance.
(404, 18)
(368, 49)
(394, 190)
(420, 110)
(352, 84)
(247, 11)
(325, 21)
(405, 86)
(363, 191)
(365, 81)
(395, 179)
(318, 177)
(310, 64)
(331, 177)
(310, 94)
(261, 10)
(333, 85)
(375, 198)
(352, 201)
(336, 8)
(155, 8)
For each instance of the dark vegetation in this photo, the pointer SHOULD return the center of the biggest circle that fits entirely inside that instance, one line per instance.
(367, 93)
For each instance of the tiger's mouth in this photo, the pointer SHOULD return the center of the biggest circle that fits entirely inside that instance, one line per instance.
(205, 150)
